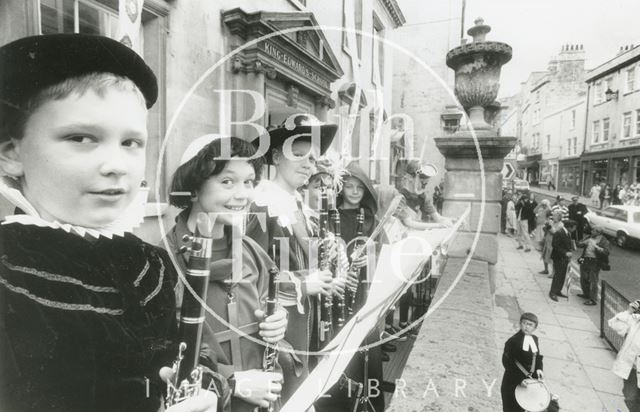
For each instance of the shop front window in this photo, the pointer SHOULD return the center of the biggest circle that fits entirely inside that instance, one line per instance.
(79, 16)
(621, 171)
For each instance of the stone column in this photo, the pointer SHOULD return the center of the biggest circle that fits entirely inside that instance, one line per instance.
(477, 66)
(463, 188)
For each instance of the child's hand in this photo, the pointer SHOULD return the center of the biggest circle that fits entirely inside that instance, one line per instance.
(205, 401)
(272, 329)
(352, 280)
(338, 285)
(258, 387)
(319, 282)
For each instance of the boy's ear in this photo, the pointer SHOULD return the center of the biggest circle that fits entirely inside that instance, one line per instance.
(10, 162)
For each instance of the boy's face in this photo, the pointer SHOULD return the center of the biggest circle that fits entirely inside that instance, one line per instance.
(227, 194)
(527, 326)
(314, 189)
(295, 170)
(83, 156)
(353, 191)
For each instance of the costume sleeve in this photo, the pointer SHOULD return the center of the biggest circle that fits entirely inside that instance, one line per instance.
(264, 232)
(539, 357)
(427, 207)
(507, 354)
(621, 323)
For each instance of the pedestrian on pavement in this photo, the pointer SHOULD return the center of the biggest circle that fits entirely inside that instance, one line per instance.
(550, 185)
(521, 360)
(605, 197)
(554, 223)
(524, 211)
(615, 198)
(625, 366)
(506, 196)
(577, 212)
(594, 257)
(543, 212)
(531, 204)
(561, 207)
(594, 195)
(557, 201)
(512, 219)
(562, 249)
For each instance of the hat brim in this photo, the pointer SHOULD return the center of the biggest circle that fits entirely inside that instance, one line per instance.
(278, 136)
(30, 64)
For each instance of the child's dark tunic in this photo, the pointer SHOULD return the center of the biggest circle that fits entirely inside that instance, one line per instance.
(88, 323)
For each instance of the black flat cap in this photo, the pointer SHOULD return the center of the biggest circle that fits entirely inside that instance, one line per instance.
(301, 127)
(30, 64)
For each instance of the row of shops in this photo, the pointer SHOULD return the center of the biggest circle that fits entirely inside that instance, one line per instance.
(578, 174)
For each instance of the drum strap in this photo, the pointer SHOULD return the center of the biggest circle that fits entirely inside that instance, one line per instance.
(533, 366)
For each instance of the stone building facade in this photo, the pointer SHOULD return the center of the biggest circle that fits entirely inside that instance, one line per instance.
(612, 138)
(235, 67)
(544, 95)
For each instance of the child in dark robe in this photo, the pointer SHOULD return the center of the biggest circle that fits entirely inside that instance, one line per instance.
(521, 359)
(87, 309)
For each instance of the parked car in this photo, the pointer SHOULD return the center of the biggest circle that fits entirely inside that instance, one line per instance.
(620, 222)
(520, 185)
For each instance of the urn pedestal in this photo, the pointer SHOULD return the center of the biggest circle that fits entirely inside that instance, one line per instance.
(476, 149)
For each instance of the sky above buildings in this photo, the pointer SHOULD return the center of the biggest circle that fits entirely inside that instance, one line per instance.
(537, 29)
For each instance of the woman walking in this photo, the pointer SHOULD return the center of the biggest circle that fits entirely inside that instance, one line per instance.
(543, 212)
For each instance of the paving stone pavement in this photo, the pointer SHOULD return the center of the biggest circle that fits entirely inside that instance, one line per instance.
(577, 362)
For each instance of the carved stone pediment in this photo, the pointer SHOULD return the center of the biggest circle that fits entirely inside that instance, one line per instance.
(301, 57)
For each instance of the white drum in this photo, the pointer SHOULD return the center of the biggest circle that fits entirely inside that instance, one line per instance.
(533, 395)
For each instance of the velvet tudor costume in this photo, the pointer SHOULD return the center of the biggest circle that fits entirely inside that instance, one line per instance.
(89, 322)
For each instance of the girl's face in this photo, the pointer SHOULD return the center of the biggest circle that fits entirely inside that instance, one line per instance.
(295, 170)
(352, 192)
(528, 327)
(81, 159)
(227, 194)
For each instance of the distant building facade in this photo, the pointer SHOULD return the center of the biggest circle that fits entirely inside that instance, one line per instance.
(545, 128)
(612, 138)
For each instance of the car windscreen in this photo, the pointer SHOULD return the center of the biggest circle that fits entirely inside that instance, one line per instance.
(636, 217)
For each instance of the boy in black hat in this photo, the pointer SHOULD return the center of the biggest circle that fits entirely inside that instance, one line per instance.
(87, 309)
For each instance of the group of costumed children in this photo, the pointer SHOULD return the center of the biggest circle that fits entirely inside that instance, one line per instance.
(88, 310)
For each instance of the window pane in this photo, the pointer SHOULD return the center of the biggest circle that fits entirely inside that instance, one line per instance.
(56, 16)
(91, 21)
(636, 217)
(621, 215)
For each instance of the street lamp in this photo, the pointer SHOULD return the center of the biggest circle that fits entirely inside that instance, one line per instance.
(610, 94)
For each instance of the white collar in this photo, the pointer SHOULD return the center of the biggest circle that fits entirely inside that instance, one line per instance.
(279, 202)
(529, 343)
(130, 218)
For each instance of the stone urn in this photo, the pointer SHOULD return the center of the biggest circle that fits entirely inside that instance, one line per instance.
(477, 69)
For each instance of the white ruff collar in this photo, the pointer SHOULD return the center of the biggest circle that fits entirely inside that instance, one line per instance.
(529, 343)
(279, 202)
(130, 218)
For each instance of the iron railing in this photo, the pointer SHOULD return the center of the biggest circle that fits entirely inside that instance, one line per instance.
(612, 302)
